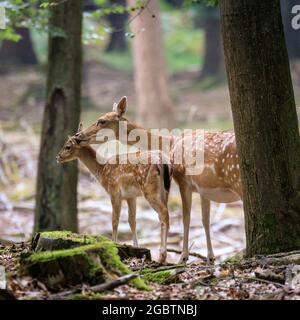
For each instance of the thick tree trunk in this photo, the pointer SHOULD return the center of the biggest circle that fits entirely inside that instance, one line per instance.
(265, 123)
(117, 41)
(292, 37)
(56, 200)
(213, 54)
(154, 104)
(18, 53)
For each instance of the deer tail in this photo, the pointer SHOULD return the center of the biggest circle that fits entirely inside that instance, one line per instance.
(165, 171)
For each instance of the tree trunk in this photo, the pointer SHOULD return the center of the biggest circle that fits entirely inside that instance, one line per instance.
(265, 123)
(154, 104)
(117, 41)
(18, 53)
(213, 54)
(292, 37)
(56, 200)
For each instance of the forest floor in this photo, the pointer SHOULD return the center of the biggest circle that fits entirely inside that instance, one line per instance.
(21, 108)
(264, 278)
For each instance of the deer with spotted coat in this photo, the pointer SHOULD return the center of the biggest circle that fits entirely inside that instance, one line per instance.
(219, 181)
(150, 176)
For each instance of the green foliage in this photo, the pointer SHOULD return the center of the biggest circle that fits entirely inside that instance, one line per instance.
(35, 14)
(156, 276)
(21, 13)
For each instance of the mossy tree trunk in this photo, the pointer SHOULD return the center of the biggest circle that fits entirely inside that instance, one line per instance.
(265, 123)
(56, 199)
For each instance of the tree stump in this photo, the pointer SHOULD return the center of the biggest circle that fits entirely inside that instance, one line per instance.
(62, 258)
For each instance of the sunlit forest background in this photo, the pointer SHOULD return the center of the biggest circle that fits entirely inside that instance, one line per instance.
(200, 99)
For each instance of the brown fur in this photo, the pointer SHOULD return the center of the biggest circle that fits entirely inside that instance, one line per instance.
(219, 181)
(126, 181)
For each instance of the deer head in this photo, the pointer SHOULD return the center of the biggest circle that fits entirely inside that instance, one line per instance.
(109, 120)
(70, 149)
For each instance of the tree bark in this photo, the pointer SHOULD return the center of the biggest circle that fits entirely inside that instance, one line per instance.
(56, 200)
(265, 123)
(20, 52)
(213, 54)
(117, 41)
(151, 82)
(292, 37)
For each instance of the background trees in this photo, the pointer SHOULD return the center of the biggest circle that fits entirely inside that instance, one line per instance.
(265, 123)
(117, 41)
(183, 47)
(151, 80)
(16, 53)
(56, 196)
(213, 60)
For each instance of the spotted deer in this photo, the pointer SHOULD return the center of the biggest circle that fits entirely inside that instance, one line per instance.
(150, 177)
(219, 180)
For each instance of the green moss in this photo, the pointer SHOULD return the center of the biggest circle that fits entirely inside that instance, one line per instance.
(232, 260)
(237, 258)
(68, 235)
(52, 255)
(110, 257)
(95, 271)
(157, 277)
(109, 253)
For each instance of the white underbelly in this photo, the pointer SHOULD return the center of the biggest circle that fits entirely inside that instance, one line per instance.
(220, 195)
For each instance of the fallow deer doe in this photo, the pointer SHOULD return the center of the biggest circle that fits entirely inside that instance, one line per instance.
(126, 181)
(219, 181)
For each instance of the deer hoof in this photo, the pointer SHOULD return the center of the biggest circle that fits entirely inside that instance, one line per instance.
(211, 259)
(183, 259)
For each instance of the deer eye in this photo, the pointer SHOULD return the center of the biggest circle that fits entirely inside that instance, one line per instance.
(68, 147)
(101, 121)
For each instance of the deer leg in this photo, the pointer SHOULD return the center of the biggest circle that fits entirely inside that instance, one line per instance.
(160, 207)
(186, 197)
(132, 219)
(116, 205)
(205, 206)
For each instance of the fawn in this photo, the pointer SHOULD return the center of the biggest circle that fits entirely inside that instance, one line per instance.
(219, 181)
(126, 181)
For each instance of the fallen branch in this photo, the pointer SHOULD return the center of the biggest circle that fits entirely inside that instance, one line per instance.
(157, 267)
(97, 288)
(271, 276)
(260, 280)
(193, 254)
(174, 278)
(282, 254)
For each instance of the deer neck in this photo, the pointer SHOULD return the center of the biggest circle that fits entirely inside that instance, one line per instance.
(87, 155)
(149, 140)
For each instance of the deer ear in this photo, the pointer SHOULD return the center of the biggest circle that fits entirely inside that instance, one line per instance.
(115, 107)
(121, 107)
